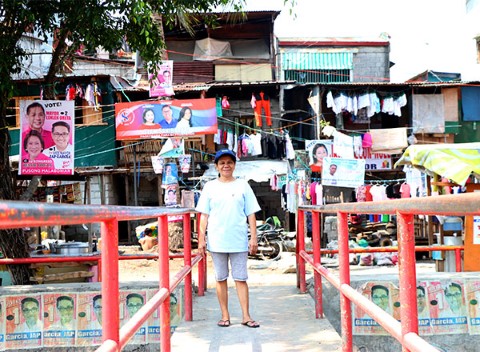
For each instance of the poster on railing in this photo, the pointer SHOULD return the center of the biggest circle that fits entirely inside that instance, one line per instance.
(59, 319)
(2, 323)
(47, 137)
(130, 303)
(472, 290)
(423, 309)
(448, 311)
(176, 314)
(89, 319)
(24, 323)
(381, 294)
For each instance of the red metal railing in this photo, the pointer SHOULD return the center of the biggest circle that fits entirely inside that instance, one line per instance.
(406, 331)
(29, 214)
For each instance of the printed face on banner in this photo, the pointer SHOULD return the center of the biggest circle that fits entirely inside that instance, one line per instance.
(90, 318)
(167, 118)
(173, 148)
(130, 303)
(343, 172)
(47, 137)
(185, 161)
(170, 174)
(317, 150)
(171, 195)
(384, 295)
(161, 84)
(23, 321)
(59, 323)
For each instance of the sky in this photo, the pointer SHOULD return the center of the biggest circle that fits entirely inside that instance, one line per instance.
(424, 34)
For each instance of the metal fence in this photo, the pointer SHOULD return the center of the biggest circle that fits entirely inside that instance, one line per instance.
(405, 331)
(15, 214)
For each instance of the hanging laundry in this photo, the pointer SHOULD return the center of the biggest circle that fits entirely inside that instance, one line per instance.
(262, 101)
(253, 101)
(343, 145)
(225, 102)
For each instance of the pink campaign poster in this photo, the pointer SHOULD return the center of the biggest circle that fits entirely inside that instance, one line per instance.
(59, 319)
(23, 321)
(165, 118)
(161, 85)
(47, 137)
(448, 312)
(130, 303)
(382, 294)
(89, 325)
(472, 288)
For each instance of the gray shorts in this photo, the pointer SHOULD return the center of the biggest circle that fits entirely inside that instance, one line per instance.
(238, 263)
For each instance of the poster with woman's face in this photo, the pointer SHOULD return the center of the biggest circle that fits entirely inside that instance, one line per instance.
(170, 174)
(317, 150)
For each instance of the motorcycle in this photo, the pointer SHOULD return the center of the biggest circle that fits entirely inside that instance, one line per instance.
(270, 238)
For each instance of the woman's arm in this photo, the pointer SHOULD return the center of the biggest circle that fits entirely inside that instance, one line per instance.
(202, 229)
(252, 245)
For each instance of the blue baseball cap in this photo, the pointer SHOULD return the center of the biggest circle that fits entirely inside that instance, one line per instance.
(223, 152)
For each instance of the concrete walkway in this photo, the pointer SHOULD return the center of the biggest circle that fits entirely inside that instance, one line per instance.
(286, 317)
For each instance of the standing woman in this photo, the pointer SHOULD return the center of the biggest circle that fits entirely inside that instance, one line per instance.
(225, 204)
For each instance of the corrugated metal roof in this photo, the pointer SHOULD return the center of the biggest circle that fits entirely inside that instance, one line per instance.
(317, 61)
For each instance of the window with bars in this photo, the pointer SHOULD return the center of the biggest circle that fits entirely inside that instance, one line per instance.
(318, 76)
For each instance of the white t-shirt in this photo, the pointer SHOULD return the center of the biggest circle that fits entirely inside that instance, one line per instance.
(61, 159)
(228, 204)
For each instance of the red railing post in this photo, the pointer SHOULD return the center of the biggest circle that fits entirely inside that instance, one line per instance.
(187, 261)
(317, 278)
(301, 282)
(202, 268)
(407, 274)
(164, 282)
(344, 263)
(110, 287)
(458, 260)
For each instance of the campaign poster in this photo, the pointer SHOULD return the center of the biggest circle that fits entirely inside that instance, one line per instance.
(24, 325)
(425, 326)
(176, 314)
(472, 289)
(59, 319)
(173, 147)
(382, 294)
(448, 312)
(157, 164)
(171, 195)
(165, 118)
(2, 323)
(47, 137)
(343, 172)
(170, 174)
(89, 325)
(130, 303)
(161, 84)
(317, 150)
(185, 161)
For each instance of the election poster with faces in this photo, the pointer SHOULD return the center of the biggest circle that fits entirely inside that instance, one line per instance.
(47, 137)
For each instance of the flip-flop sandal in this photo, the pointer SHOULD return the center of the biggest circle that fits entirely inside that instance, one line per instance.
(224, 323)
(251, 324)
